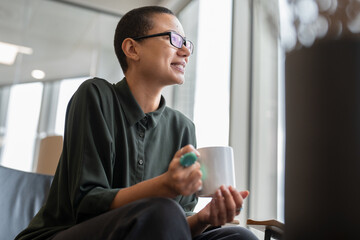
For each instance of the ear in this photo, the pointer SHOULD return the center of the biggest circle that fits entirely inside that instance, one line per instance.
(130, 49)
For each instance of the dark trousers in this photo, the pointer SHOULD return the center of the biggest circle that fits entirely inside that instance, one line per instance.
(153, 218)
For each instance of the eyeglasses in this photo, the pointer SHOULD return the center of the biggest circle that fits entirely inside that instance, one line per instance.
(175, 39)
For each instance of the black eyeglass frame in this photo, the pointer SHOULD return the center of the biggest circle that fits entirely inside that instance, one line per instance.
(184, 40)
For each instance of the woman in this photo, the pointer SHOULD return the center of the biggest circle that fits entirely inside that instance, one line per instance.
(119, 175)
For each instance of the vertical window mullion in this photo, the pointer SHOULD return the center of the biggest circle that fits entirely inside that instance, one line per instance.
(4, 104)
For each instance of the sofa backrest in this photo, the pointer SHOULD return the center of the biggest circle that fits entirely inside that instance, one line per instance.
(21, 196)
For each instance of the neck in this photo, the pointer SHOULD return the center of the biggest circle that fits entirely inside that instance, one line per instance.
(147, 95)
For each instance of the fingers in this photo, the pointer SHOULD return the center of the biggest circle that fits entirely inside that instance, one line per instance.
(214, 210)
(222, 210)
(184, 180)
(223, 207)
(227, 203)
(193, 180)
(175, 163)
(238, 198)
(186, 149)
(243, 194)
(191, 175)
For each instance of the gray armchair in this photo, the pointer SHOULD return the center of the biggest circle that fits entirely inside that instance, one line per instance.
(22, 195)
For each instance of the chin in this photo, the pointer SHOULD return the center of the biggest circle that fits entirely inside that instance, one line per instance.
(180, 80)
(175, 81)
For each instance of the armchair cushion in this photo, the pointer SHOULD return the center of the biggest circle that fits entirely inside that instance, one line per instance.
(21, 197)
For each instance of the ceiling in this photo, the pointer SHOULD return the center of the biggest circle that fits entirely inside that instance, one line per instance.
(122, 6)
(69, 38)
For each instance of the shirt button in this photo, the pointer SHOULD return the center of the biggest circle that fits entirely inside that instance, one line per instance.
(141, 135)
(141, 162)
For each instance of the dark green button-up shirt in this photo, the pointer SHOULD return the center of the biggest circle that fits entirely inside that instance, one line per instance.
(109, 144)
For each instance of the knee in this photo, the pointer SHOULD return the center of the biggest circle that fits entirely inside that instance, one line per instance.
(166, 205)
(239, 233)
(165, 210)
(243, 233)
(158, 217)
(163, 218)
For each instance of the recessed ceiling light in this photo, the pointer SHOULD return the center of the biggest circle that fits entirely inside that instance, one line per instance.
(38, 74)
(9, 52)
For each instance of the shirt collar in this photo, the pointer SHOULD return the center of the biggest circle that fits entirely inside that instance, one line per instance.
(132, 110)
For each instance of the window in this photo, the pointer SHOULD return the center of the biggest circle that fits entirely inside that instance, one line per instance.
(67, 89)
(212, 85)
(211, 109)
(22, 122)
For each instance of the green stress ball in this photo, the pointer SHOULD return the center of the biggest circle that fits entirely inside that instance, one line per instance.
(188, 159)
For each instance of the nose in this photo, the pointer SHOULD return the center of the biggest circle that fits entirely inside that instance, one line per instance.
(184, 51)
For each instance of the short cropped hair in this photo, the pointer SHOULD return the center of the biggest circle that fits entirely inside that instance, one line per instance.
(135, 23)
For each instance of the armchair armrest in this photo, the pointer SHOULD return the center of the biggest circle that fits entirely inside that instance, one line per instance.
(272, 228)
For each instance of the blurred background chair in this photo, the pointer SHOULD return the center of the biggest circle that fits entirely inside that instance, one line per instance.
(49, 153)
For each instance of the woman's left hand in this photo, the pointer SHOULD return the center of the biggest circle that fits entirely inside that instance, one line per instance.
(227, 202)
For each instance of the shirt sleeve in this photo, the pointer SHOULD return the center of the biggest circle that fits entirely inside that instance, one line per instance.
(188, 203)
(89, 150)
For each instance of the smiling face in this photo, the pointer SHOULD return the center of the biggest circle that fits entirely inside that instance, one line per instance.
(159, 61)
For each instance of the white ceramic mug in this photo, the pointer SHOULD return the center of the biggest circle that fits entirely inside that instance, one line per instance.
(217, 165)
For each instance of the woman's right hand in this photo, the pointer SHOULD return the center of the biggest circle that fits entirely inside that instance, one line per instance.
(183, 180)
